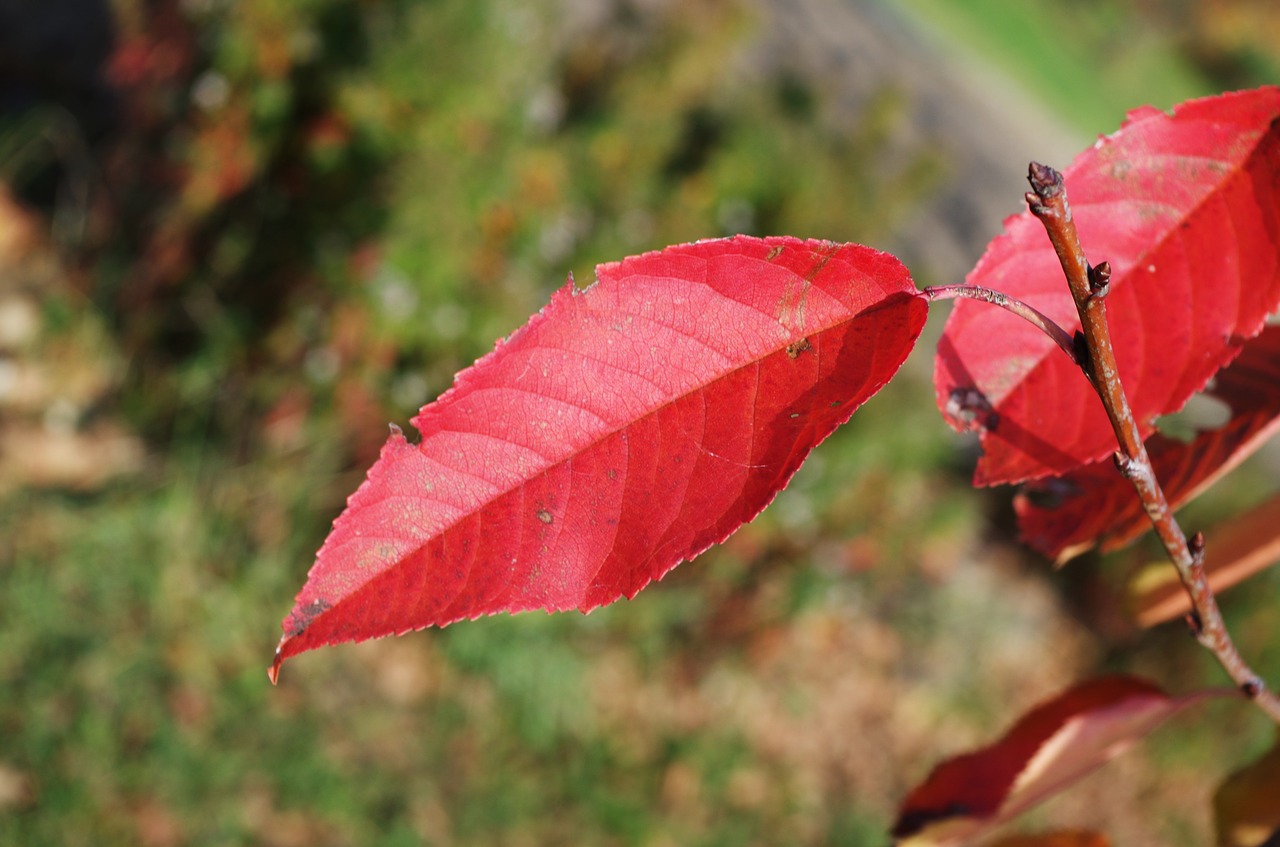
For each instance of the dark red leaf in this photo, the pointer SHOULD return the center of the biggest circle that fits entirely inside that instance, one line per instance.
(1186, 208)
(1049, 748)
(624, 429)
(1064, 516)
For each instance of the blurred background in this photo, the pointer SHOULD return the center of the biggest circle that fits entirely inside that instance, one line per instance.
(238, 239)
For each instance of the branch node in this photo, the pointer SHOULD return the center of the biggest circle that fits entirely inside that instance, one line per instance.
(1123, 464)
(1252, 688)
(1195, 546)
(1194, 623)
(1099, 281)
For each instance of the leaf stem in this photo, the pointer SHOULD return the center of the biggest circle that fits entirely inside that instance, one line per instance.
(1089, 287)
(1028, 313)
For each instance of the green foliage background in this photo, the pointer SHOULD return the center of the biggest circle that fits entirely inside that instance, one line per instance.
(361, 197)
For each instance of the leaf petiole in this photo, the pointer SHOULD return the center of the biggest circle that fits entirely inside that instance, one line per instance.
(1028, 313)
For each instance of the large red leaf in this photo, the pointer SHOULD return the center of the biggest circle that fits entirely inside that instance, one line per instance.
(624, 429)
(1051, 747)
(1186, 208)
(1066, 515)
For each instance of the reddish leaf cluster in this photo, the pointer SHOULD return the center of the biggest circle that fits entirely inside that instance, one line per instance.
(629, 426)
(1186, 209)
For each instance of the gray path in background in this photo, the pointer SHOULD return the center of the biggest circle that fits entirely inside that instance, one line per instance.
(986, 127)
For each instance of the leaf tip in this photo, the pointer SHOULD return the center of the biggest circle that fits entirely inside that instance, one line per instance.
(273, 672)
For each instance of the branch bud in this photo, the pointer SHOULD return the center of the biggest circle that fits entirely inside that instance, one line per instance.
(1122, 462)
(1045, 181)
(1100, 281)
(1195, 546)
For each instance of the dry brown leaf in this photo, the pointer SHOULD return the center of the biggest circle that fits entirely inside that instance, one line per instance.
(43, 457)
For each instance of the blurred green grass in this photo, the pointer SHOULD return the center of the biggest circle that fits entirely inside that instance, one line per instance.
(420, 178)
(1092, 62)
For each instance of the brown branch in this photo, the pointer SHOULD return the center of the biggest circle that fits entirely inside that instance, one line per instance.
(1089, 287)
(1028, 313)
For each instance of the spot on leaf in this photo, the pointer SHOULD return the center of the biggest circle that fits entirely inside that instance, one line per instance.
(798, 347)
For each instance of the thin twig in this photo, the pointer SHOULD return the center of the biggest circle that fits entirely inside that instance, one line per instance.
(1028, 313)
(1089, 288)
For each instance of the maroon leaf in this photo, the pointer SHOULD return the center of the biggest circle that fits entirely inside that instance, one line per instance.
(624, 429)
(1049, 748)
(1186, 208)
(1064, 516)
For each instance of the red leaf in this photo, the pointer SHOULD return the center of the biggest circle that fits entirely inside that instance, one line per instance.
(624, 429)
(1065, 516)
(1186, 208)
(1049, 748)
